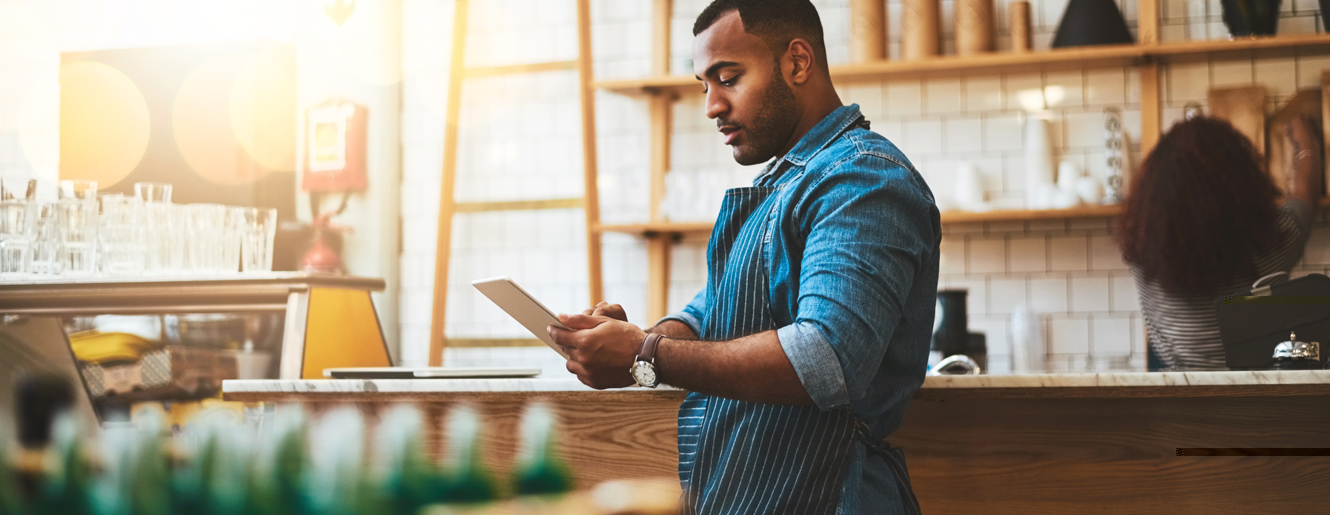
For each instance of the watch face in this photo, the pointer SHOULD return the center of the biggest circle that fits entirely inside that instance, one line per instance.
(644, 373)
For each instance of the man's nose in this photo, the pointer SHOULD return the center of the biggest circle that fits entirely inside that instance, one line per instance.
(716, 106)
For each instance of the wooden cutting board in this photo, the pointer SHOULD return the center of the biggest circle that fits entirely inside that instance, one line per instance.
(1244, 107)
(1279, 157)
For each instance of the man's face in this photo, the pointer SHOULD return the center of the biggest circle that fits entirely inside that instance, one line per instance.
(754, 108)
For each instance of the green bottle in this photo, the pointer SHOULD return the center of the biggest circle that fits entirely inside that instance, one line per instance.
(67, 487)
(11, 501)
(278, 468)
(468, 480)
(149, 487)
(539, 471)
(407, 479)
(212, 480)
(335, 485)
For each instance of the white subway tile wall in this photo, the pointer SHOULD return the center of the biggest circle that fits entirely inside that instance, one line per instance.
(521, 141)
(1068, 271)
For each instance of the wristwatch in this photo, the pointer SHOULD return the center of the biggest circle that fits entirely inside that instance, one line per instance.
(644, 369)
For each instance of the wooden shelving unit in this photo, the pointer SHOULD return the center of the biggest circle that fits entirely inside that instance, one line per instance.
(1116, 56)
(1146, 56)
(661, 89)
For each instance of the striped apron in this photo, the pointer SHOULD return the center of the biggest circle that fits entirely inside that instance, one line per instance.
(746, 458)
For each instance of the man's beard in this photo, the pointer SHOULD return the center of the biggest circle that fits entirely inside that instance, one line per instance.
(772, 126)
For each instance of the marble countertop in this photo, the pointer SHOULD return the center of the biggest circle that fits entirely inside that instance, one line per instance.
(1110, 379)
(410, 385)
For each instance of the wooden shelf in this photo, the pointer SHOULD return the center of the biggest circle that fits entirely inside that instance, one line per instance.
(1116, 56)
(650, 228)
(1023, 215)
(948, 217)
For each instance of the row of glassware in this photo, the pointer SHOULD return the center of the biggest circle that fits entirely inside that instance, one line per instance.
(83, 234)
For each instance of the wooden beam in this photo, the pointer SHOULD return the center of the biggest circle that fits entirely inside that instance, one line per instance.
(515, 69)
(1151, 117)
(518, 205)
(661, 16)
(658, 277)
(660, 109)
(443, 248)
(591, 198)
(1147, 22)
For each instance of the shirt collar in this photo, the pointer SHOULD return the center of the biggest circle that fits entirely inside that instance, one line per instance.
(815, 140)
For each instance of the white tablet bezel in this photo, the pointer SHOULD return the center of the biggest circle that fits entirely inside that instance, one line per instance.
(523, 307)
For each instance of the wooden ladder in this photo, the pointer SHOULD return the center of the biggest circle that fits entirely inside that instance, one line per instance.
(458, 73)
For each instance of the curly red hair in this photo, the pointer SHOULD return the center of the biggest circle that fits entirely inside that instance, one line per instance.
(1200, 211)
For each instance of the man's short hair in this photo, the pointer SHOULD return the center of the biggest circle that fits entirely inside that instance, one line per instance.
(778, 22)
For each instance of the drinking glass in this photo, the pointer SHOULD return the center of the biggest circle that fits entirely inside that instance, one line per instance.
(78, 189)
(258, 232)
(235, 223)
(15, 238)
(123, 235)
(205, 228)
(153, 191)
(47, 240)
(167, 241)
(78, 221)
(18, 188)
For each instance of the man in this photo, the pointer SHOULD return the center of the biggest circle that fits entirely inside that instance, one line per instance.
(802, 352)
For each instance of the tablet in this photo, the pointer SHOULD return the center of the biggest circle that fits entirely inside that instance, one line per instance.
(429, 373)
(524, 308)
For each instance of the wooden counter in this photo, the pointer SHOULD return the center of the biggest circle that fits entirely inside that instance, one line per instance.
(1064, 443)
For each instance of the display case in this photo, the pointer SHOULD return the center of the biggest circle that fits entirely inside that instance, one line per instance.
(277, 325)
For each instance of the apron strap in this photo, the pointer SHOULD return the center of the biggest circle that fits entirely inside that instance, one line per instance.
(895, 459)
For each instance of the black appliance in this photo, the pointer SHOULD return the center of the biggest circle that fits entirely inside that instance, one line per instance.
(1253, 322)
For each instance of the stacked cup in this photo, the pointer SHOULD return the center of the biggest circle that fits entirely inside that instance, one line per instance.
(77, 220)
(144, 234)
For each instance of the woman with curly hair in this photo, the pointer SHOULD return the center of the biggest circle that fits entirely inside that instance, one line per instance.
(1203, 218)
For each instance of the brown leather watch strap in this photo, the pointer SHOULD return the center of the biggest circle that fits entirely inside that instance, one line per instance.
(648, 352)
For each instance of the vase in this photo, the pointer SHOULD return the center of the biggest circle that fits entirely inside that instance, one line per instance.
(1245, 18)
(1039, 162)
(974, 26)
(1019, 14)
(868, 30)
(1092, 22)
(952, 335)
(919, 29)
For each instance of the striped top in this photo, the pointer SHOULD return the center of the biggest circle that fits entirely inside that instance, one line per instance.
(1183, 331)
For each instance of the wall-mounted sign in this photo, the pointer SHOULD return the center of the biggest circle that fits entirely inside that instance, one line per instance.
(335, 148)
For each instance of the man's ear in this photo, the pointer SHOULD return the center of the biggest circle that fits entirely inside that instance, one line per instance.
(802, 61)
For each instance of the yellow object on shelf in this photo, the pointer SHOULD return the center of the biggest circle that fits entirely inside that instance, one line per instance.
(98, 347)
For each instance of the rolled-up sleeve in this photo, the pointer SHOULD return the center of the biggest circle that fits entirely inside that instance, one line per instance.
(868, 226)
(692, 314)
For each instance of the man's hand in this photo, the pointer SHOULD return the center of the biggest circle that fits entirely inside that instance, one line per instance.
(605, 309)
(600, 349)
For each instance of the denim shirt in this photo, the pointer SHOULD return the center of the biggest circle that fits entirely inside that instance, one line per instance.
(853, 261)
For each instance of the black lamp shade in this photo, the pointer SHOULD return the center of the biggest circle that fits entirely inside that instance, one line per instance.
(1092, 22)
(1252, 17)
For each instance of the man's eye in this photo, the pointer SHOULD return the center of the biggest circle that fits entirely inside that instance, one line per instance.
(728, 82)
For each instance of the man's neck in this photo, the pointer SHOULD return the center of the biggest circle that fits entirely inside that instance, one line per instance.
(812, 115)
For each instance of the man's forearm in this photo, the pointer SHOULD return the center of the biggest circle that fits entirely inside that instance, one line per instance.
(753, 368)
(674, 329)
